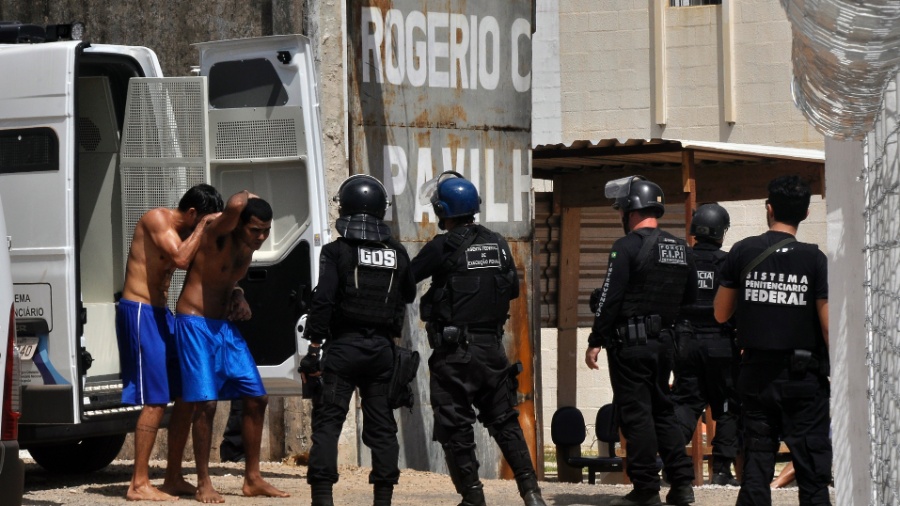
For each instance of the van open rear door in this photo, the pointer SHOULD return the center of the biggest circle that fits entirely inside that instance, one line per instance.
(253, 125)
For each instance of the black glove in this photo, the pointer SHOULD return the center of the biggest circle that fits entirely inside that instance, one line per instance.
(594, 302)
(310, 363)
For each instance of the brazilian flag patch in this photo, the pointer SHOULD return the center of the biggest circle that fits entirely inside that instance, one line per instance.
(612, 255)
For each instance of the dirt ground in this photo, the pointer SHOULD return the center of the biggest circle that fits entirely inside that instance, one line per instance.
(416, 488)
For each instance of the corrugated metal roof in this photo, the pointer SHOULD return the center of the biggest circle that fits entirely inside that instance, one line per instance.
(550, 159)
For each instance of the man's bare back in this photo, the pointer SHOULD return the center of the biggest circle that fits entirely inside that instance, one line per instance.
(163, 241)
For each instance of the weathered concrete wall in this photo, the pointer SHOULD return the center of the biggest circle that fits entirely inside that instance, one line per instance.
(169, 27)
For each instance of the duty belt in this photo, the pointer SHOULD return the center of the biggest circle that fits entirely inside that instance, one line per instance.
(476, 338)
(635, 330)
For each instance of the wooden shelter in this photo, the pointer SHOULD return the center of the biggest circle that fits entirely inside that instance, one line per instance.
(575, 226)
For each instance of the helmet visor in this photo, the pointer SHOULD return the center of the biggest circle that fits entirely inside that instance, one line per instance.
(619, 188)
(429, 188)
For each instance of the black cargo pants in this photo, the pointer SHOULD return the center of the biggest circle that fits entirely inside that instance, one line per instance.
(777, 403)
(348, 363)
(705, 373)
(476, 374)
(640, 380)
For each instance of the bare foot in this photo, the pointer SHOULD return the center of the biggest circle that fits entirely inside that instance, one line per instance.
(208, 495)
(147, 493)
(261, 487)
(178, 486)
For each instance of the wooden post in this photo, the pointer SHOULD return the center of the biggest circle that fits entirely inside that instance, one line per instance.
(710, 435)
(697, 453)
(568, 348)
(689, 186)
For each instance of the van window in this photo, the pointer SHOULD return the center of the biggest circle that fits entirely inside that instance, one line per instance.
(28, 150)
(245, 83)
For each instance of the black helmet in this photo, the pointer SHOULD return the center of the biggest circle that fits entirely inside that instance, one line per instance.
(710, 221)
(636, 192)
(362, 194)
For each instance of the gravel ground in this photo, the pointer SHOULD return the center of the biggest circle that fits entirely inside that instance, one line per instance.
(416, 488)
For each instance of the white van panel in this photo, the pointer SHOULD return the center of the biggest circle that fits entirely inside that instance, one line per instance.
(40, 206)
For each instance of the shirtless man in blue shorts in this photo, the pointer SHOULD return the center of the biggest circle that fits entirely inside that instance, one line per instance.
(212, 351)
(163, 240)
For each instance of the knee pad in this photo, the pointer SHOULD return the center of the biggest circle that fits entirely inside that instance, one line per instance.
(511, 442)
(499, 419)
(462, 463)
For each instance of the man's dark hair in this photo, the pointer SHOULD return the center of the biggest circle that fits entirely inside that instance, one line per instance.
(202, 197)
(256, 207)
(789, 197)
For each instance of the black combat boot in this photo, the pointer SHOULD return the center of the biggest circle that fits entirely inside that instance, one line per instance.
(321, 493)
(680, 494)
(722, 473)
(466, 482)
(512, 444)
(383, 494)
(473, 495)
(529, 490)
(725, 479)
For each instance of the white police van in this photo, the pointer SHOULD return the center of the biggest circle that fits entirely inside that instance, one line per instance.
(91, 137)
(12, 471)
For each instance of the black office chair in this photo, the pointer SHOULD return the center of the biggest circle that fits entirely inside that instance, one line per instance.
(568, 431)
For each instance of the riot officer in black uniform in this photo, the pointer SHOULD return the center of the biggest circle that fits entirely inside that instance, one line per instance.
(357, 309)
(705, 355)
(650, 276)
(779, 289)
(473, 278)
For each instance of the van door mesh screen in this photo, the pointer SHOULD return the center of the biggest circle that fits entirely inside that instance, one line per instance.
(256, 139)
(163, 151)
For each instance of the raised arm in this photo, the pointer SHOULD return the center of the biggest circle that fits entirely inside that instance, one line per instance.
(229, 219)
(163, 236)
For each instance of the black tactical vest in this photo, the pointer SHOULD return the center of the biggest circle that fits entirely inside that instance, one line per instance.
(478, 284)
(369, 273)
(708, 263)
(656, 285)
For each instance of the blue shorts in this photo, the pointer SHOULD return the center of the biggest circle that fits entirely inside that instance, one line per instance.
(216, 360)
(147, 355)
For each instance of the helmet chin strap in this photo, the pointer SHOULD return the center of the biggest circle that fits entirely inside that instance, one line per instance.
(441, 224)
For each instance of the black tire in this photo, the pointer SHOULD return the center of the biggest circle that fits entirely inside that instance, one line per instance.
(85, 456)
